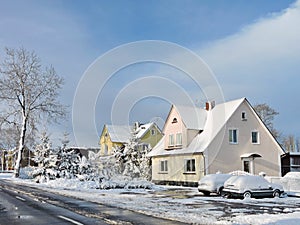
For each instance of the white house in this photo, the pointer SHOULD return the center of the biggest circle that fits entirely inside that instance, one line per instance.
(223, 137)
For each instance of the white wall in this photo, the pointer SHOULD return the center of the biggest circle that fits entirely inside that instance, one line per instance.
(225, 157)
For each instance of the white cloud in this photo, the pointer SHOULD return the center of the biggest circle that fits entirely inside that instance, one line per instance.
(261, 62)
(275, 38)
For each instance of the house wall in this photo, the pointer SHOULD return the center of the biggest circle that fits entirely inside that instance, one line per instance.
(106, 140)
(191, 134)
(176, 172)
(152, 139)
(225, 157)
(174, 128)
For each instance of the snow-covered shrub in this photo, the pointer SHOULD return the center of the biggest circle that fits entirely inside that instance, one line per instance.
(125, 182)
(138, 184)
(26, 172)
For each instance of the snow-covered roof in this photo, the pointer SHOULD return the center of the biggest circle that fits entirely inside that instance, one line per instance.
(193, 117)
(251, 154)
(119, 133)
(143, 129)
(294, 153)
(122, 133)
(215, 121)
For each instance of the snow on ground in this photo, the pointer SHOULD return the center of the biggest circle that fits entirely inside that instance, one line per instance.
(180, 203)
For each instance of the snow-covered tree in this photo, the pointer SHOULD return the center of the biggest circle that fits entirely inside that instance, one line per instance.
(132, 160)
(47, 161)
(30, 94)
(68, 162)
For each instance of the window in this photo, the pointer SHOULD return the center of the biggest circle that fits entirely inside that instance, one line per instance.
(144, 146)
(174, 120)
(233, 136)
(295, 161)
(163, 166)
(244, 117)
(171, 140)
(255, 137)
(105, 149)
(190, 165)
(152, 132)
(178, 139)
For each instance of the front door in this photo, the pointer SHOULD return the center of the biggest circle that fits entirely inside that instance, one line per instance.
(248, 165)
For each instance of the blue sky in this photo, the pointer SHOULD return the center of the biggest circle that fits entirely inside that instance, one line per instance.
(251, 46)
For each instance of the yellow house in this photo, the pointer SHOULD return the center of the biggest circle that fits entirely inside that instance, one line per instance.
(112, 136)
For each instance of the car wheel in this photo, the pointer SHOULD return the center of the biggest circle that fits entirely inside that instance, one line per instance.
(276, 194)
(247, 194)
(206, 193)
(219, 192)
(224, 195)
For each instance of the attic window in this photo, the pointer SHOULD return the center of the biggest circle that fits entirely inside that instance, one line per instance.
(244, 117)
(152, 132)
(174, 120)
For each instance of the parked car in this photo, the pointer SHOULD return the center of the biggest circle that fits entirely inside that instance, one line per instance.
(212, 183)
(291, 183)
(250, 186)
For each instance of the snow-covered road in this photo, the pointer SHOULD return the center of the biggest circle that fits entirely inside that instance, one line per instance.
(184, 204)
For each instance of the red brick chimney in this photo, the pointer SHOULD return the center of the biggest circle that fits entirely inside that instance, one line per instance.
(210, 105)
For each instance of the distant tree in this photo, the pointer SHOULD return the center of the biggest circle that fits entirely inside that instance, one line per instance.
(8, 138)
(29, 94)
(298, 144)
(291, 144)
(65, 140)
(267, 115)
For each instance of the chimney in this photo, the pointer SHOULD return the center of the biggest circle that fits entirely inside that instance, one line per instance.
(136, 126)
(210, 105)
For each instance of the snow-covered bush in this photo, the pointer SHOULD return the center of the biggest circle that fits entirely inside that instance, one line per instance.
(127, 168)
(26, 172)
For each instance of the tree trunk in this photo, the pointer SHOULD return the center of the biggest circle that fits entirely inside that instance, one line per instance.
(21, 147)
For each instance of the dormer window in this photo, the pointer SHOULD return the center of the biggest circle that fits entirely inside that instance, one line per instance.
(244, 116)
(174, 120)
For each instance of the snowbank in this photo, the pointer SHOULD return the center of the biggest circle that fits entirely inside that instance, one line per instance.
(118, 182)
(291, 183)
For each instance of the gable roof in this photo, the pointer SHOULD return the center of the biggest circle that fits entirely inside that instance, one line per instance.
(215, 121)
(122, 133)
(119, 133)
(143, 129)
(192, 117)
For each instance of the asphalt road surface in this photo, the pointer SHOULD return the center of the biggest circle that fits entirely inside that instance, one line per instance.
(27, 205)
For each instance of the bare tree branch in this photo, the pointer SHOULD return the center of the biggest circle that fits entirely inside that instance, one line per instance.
(29, 92)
